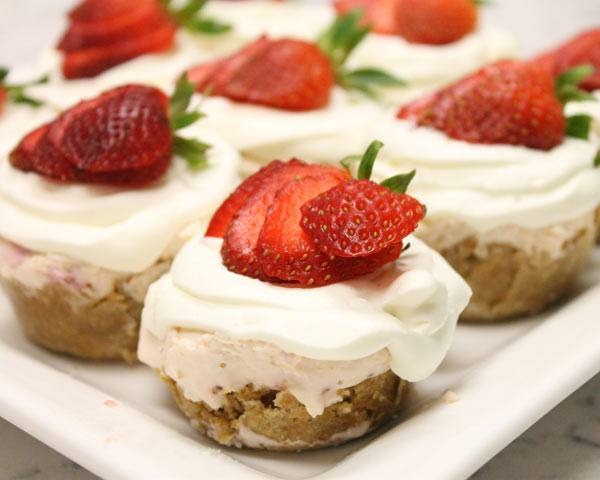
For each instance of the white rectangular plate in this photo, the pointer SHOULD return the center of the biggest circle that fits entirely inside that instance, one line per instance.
(120, 422)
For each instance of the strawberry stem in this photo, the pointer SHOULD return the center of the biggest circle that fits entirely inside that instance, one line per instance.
(339, 41)
(16, 92)
(180, 116)
(190, 17)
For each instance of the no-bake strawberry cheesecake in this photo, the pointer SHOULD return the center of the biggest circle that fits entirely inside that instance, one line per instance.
(292, 97)
(95, 204)
(107, 43)
(454, 42)
(582, 49)
(299, 318)
(509, 182)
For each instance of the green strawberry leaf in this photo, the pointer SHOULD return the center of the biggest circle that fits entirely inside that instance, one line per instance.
(190, 16)
(567, 84)
(180, 116)
(193, 151)
(399, 183)
(348, 161)
(597, 159)
(578, 126)
(339, 41)
(17, 92)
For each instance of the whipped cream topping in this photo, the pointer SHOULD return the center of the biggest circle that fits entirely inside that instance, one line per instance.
(424, 67)
(124, 230)
(487, 186)
(588, 107)
(17, 120)
(159, 70)
(263, 134)
(409, 307)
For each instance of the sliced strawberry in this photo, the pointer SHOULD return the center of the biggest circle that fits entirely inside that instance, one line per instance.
(122, 137)
(142, 20)
(89, 62)
(124, 128)
(224, 215)
(285, 73)
(508, 102)
(579, 50)
(380, 15)
(22, 157)
(359, 218)
(239, 243)
(286, 252)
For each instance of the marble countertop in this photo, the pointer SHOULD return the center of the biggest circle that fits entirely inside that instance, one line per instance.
(564, 444)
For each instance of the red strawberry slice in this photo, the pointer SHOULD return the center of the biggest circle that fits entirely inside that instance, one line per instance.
(141, 21)
(286, 74)
(122, 137)
(380, 15)
(89, 62)
(239, 243)
(508, 102)
(581, 49)
(283, 248)
(224, 215)
(359, 218)
(22, 157)
(124, 128)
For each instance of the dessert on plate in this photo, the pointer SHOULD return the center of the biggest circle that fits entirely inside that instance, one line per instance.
(582, 49)
(509, 182)
(454, 43)
(94, 205)
(108, 43)
(299, 318)
(292, 97)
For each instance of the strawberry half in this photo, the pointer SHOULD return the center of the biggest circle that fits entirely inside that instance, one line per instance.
(239, 246)
(292, 74)
(508, 102)
(286, 74)
(124, 137)
(579, 50)
(433, 22)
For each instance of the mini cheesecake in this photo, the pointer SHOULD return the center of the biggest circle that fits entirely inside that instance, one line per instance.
(272, 336)
(79, 243)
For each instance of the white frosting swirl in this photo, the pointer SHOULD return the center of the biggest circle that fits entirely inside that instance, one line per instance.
(410, 308)
(263, 134)
(125, 230)
(491, 185)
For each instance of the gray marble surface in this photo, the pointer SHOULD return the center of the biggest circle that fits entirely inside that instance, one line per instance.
(563, 445)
